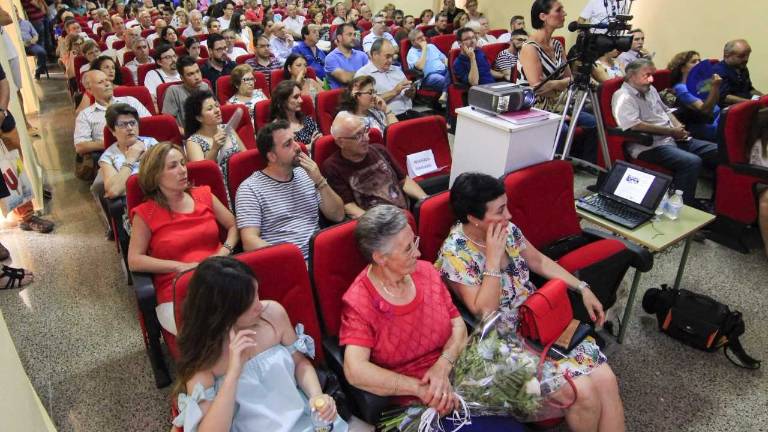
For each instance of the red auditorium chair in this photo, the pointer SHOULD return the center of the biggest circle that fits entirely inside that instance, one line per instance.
(276, 76)
(443, 42)
(243, 58)
(242, 164)
(180, 50)
(224, 89)
(540, 200)
(147, 32)
(204, 172)
(282, 276)
(142, 72)
(735, 198)
(118, 45)
(244, 129)
(416, 135)
(497, 32)
(325, 146)
(414, 74)
(127, 76)
(457, 92)
(327, 107)
(140, 93)
(160, 93)
(128, 56)
(261, 113)
(493, 50)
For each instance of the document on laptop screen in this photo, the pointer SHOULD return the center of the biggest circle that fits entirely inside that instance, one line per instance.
(634, 185)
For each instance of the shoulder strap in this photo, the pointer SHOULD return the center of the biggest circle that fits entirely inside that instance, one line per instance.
(159, 75)
(733, 327)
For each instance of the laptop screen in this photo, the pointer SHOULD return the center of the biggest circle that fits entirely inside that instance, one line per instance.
(635, 185)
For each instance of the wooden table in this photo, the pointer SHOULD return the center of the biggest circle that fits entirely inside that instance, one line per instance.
(656, 236)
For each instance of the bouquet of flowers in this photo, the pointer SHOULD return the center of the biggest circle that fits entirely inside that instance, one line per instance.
(495, 375)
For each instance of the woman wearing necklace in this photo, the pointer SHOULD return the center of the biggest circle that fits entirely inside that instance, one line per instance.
(486, 261)
(401, 330)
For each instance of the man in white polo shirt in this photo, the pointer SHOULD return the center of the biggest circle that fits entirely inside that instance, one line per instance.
(391, 83)
(378, 31)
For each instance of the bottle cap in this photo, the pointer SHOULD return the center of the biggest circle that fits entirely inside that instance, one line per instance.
(319, 403)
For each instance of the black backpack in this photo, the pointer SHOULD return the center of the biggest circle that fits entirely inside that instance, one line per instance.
(699, 321)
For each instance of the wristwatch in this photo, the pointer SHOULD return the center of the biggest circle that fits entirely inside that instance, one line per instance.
(581, 286)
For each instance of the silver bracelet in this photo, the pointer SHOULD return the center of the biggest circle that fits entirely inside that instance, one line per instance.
(496, 274)
(226, 246)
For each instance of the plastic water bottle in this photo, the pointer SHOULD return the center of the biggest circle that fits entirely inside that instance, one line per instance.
(318, 424)
(662, 208)
(674, 205)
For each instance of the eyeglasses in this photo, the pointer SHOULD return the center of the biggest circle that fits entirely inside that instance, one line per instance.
(247, 79)
(468, 39)
(360, 135)
(369, 93)
(220, 49)
(168, 57)
(126, 124)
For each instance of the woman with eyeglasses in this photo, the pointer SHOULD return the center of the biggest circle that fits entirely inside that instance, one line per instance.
(165, 58)
(207, 136)
(295, 69)
(286, 105)
(360, 99)
(120, 160)
(243, 84)
(170, 36)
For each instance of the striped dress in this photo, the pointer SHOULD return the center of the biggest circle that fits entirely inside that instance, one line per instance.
(548, 67)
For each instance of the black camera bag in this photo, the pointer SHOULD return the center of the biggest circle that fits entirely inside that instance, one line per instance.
(699, 321)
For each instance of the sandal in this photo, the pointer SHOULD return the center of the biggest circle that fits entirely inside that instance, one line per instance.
(17, 277)
(4, 253)
(38, 224)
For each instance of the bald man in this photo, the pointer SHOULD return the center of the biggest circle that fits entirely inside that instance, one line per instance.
(736, 86)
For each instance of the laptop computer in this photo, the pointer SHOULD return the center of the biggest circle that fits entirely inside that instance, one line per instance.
(629, 195)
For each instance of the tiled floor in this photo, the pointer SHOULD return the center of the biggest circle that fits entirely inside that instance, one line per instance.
(76, 331)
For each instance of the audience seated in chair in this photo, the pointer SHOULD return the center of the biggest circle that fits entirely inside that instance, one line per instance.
(406, 346)
(637, 51)
(342, 63)
(608, 66)
(700, 117)
(441, 26)
(390, 83)
(737, 85)
(430, 61)
(360, 99)
(141, 56)
(517, 22)
(295, 69)
(286, 105)
(378, 31)
(123, 158)
(107, 65)
(363, 174)
(207, 137)
(218, 63)
(505, 63)
(485, 239)
(176, 227)
(471, 67)
(281, 202)
(243, 83)
(195, 27)
(637, 106)
(281, 42)
(176, 95)
(165, 57)
(192, 45)
(314, 56)
(264, 61)
(758, 155)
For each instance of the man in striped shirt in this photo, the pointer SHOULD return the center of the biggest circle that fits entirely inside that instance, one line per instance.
(280, 203)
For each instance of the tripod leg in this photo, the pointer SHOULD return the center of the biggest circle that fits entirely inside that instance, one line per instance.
(600, 129)
(580, 99)
(561, 124)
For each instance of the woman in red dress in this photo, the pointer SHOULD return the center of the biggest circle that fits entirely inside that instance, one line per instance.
(176, 227)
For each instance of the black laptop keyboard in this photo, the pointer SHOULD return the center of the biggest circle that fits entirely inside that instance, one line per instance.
(613, 211)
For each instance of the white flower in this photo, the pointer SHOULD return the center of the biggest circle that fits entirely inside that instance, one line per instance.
(503, 350)
(485, 350)
(532, 387)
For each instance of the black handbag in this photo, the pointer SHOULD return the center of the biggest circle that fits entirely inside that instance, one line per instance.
(331, 386)
(699, 321)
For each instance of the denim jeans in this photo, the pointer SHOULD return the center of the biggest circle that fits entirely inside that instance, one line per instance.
(40, 55)
(685, 160)
(437, 81)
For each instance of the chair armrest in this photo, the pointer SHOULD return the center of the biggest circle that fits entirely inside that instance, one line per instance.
(634, 136)
(753, 170)
(144, 288)
(116, 207)
(642, 259)
(367, 405)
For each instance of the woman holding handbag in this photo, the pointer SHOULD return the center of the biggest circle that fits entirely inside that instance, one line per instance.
(486, 262)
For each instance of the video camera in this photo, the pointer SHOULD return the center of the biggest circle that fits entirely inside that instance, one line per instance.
(591, 45)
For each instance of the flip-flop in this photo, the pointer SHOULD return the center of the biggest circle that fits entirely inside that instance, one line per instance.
(17, 277)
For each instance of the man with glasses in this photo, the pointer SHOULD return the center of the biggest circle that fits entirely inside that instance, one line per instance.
(264, 61)
(176, 95)
(471, 66)
(391, 83)
(506, 60)
(378, 31)
(342, 63)
(280, 203)
(364, 174)
(195, 27)
(122, 159)
(233, 51)
(429, 60)
(140, 57)
(308, 49)
(165, 57)
(218, 64)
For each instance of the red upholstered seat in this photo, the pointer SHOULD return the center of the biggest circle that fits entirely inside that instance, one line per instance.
(142, 71)
(241, 166)
(161, 127)
(241, 59)
(419, 134)
(244, 129)
(493, 50)
(443, 42)
(282, 277)
(160, 92)
(497, 32)
(327, 107)
(224, 89)
(140, 93)
(413, 74)
(434, 218)
(127, 76)
(456, 91)
(277, 76)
